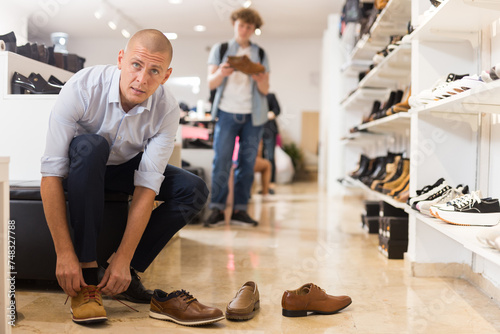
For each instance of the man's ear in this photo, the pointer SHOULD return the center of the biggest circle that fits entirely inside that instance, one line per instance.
(167, 75)
(121, 54)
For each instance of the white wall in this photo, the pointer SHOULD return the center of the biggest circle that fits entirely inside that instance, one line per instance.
(295, 70)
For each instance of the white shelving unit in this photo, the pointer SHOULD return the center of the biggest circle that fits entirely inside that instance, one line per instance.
(455, 138)
(24, 118)
(377, 195)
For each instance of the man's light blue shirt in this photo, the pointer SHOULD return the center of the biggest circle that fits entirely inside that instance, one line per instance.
(89, 103)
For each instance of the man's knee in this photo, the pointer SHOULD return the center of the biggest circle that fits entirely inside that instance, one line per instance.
(89, 145)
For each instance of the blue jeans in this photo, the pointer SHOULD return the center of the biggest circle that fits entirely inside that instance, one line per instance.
(184, 195)
(227, 128)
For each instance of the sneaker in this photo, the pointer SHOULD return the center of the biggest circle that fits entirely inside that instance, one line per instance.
(471, 210)
(182, 308)
(433, 209)
(488, 237)
(430, 193)
(242, 218)
(87, 307)
(450, 194)
(215, 219)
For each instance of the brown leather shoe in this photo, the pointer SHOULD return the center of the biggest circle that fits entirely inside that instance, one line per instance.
(87, 306)
(245, 303)
(182, 308)
(311, 298)
(245, 65)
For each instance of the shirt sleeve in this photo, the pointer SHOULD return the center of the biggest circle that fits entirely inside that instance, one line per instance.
(158, 150)
(68, 109)
(214, 55)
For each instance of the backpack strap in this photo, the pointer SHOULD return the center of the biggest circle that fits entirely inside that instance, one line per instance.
(261, 54)
(222, 51)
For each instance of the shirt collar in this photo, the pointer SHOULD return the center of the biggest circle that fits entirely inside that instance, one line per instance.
(114, 95)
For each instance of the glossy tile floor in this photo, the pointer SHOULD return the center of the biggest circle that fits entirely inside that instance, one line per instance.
(303, 237)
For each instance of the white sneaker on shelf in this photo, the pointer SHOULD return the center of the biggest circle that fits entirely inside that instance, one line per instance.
(424, 206)
(489, 236)
(433, 209)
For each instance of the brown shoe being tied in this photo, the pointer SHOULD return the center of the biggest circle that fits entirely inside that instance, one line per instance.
(245, 65)
(182, 308)
(87, 306)
(245, 303)
(311, 298)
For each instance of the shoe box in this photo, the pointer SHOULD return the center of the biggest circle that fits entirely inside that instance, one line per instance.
(393, 236)
(370, 218)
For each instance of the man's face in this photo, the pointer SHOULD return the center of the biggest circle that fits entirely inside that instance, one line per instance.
(243, 30)
(142, 73)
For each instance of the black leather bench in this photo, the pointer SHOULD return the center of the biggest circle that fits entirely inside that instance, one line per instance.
(35, 257)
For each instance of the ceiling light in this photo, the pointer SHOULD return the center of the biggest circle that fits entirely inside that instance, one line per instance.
(247, 3)
(170, 35)
(112, 24)
(258, 32)
(175, 2)
(125, 33)
(200, 28)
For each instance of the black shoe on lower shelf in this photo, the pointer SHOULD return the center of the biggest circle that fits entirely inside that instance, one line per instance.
(242, 218)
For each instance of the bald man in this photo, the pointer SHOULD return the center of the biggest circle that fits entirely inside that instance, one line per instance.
(112, 129)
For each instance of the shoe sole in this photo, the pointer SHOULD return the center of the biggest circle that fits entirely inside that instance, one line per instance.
(240, 316)
(219, 223)
(88, 321)
(304, 313)
(469, 219)
(161, 316)
(240, 223)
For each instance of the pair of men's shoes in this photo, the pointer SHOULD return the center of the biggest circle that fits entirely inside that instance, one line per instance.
(87, 306)
(241, 218)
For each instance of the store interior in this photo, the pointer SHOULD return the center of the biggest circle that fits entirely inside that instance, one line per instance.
(388, 110)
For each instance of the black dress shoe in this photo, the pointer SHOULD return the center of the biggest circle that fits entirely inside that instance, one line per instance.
(136, 292)
(35, 84)
(10, 41)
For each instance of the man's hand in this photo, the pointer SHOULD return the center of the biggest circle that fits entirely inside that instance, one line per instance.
(260, 77)
(225, 69)
(69, 274)
(116, 278)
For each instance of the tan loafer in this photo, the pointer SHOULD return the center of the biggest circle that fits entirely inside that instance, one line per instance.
(245, 303)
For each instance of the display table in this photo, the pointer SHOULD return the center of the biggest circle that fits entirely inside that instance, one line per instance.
(4, 213)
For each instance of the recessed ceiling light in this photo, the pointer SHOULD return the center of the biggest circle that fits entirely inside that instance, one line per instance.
(170, 35)
(200, 28)
(247, 3)
(258, 32)
(112, 25)
(175, 2)
(125, 33)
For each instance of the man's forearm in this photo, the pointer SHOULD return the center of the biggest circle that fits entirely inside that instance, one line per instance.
(54, 206)
(138, 218)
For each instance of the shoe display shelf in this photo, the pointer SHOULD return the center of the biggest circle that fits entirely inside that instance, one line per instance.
(24, 117)
(393, 20)
(394, 71)
(457, 138)
(375, 195)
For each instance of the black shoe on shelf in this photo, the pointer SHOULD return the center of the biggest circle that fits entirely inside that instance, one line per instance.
(216, 218)
(10, 41)
(242, 218)
(136, 292)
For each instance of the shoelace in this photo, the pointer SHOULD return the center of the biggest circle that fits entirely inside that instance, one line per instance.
(467, 201)
(91, 293)
(187, 297)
